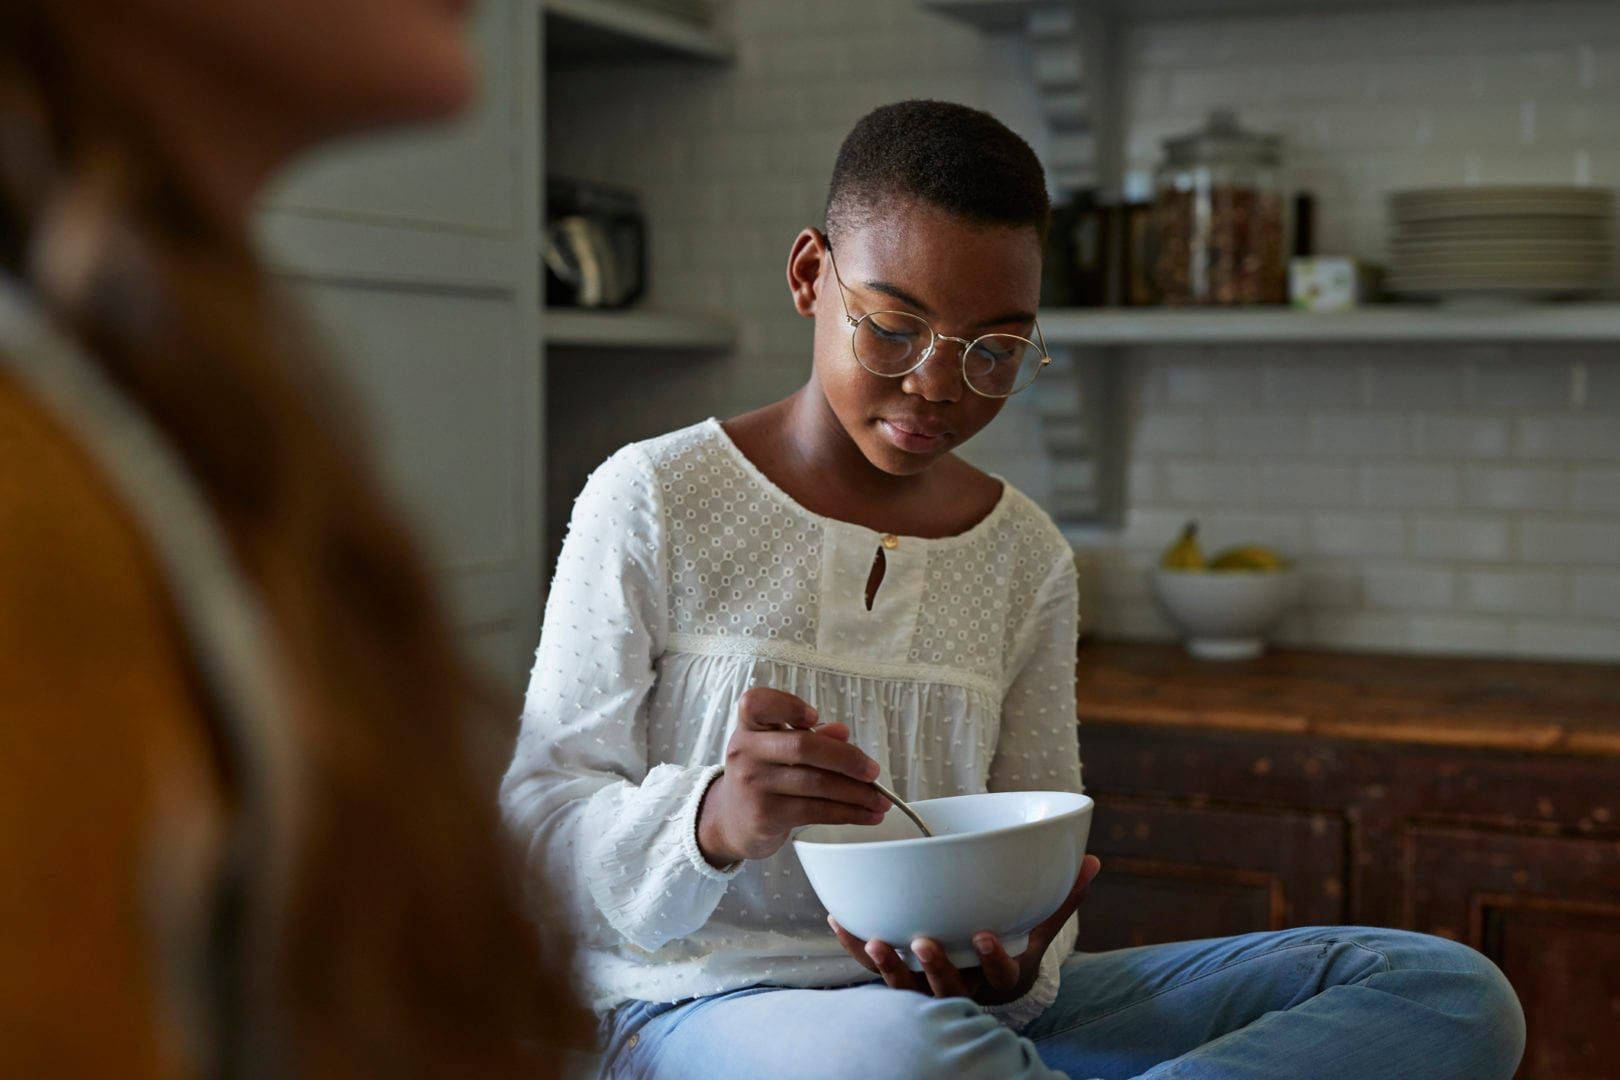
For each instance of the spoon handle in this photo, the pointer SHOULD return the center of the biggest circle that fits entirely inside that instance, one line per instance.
(900, 804)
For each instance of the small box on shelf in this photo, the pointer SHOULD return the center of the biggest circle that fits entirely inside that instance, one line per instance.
(1326, 283)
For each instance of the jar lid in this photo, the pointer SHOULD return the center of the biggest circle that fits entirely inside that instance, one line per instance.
(1223, 142)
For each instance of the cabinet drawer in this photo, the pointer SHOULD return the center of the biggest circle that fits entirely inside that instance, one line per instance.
(1173, 871)
(1547, 910)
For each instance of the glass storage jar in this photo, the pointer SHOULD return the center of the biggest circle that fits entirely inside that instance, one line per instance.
(1219, 218)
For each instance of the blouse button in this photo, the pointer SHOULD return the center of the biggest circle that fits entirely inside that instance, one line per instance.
(630, 1043)
(891, 541)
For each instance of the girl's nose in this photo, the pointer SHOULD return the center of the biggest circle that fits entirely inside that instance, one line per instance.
(940, 376)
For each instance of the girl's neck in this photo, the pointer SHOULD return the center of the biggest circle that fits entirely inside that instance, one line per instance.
(820, 446)
(799, 444)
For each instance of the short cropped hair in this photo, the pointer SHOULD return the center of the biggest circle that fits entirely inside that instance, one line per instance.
(956, 158)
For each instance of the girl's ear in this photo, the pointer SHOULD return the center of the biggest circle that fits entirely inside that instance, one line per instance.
(806, 263)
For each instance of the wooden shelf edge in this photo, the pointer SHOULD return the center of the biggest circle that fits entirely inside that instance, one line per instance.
(1507, 705)
(1535, 739)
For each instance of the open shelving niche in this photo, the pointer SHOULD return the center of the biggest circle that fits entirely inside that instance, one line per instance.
(620, 31)
(576, 33)
(1075, 55)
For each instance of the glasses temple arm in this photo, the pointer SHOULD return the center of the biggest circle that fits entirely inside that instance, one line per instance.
(826, 245)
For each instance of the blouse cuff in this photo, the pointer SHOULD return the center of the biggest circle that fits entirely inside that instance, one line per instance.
(1015, 1014)
(646, 873)
(690, 814)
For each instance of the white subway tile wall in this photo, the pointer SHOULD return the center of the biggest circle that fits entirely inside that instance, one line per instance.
(1468, 527)
(1439, 499)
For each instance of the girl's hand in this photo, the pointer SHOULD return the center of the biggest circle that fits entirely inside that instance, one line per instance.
(997, 980)
(783, 771)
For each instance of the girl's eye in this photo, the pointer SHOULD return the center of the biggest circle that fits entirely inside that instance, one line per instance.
(1001, 350)
(892, 333)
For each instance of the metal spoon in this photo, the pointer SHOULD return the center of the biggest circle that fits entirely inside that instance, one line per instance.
(900, 804)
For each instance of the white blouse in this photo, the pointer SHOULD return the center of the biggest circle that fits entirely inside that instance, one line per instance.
(688, 578)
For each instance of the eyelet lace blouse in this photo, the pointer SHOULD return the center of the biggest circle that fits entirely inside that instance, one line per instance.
(688, 578)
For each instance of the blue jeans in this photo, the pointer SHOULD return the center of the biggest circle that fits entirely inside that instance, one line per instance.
(1322, 1002)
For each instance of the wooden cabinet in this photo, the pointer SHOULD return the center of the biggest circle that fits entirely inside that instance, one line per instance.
(1474, 800)
(1547, 910)
(1178, 871)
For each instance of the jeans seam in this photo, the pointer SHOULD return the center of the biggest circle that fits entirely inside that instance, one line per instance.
(1212, 972)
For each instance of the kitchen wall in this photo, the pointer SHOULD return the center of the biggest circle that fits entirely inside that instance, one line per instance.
(1441, 498)
(1444, 499)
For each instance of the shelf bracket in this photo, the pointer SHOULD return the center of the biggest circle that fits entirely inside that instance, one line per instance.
(1075, 52)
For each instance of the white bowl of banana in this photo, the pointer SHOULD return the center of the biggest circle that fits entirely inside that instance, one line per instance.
(1224, 606)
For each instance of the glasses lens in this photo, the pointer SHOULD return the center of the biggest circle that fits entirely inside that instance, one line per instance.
(891, 342)
(1002, 364)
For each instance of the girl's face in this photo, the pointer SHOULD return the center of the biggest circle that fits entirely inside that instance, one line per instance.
(322, 67)
(964, 278)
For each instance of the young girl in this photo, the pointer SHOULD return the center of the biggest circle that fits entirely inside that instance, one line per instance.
(751, 619)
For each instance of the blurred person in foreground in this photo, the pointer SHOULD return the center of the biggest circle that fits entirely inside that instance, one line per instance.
(240, 829)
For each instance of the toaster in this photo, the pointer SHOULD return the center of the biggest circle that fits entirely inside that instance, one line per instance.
(596, 245)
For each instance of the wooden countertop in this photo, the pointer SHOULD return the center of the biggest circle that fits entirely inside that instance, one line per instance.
(1498, 704)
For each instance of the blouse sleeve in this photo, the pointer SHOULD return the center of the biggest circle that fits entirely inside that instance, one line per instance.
(1038, 747)
(607, 836)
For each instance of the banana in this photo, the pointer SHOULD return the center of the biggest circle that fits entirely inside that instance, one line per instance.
(1185, 554)
(1248, 557)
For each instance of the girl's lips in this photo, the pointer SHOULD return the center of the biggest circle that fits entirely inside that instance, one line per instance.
(913, 442)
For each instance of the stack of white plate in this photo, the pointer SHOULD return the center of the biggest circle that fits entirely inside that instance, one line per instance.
(1518, 241)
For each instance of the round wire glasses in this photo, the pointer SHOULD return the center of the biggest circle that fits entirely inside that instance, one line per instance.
(893, 344)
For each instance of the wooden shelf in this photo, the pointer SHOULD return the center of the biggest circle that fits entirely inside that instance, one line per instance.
(1507, 324)
(592, 31)
(635, 329)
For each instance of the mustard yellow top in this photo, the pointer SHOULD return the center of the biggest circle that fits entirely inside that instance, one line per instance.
(103, 749)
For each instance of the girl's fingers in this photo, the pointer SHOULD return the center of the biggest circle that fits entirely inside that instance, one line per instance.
(816, 750)
(764, 709)
(839, 731)
(943, 978)
(820, 784)
(1000, 970)
(791, 811)
(1042, 935)
(852, 945)
(896, 974)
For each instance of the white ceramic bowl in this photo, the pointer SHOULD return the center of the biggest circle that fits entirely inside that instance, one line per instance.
(1002, 861)
(1225, 614)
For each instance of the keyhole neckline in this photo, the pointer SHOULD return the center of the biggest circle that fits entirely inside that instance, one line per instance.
(926, 543)
(874, 579)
